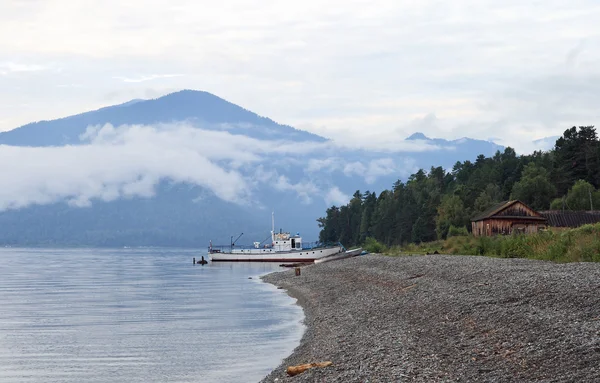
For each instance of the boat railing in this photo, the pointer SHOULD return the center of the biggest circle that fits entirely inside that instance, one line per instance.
(305, 246)
(229, 248)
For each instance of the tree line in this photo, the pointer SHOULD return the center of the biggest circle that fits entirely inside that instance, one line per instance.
(430, 205)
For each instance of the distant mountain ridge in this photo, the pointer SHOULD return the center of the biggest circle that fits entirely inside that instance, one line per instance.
(485, 146)
(464, 142)
(187, 105)
(298, 184)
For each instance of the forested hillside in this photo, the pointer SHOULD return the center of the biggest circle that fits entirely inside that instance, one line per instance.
(430, 204)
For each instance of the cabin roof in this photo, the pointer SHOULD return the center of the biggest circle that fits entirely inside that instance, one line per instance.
(494, 210)
(559, 218)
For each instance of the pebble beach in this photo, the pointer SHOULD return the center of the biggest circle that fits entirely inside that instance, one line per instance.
(439, 318)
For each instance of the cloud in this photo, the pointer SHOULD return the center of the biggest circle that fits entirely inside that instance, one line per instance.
(130, 160)
(383, 64)
(336, 197)
(380, 167)
(116, 163)
(355, 168)
(304, 189)
(369, 170)
(543, 106)
(574, 53)
(69, 85)
(387, 143)
(327, 164)
(9, 67)
(146, 78)
(373, 170)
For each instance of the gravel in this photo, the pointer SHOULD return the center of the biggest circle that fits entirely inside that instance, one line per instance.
(439, 318)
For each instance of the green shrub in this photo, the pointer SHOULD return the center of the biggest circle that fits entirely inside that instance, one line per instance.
(394, 250)
(373, 246)
(586, 229)
(469, 246)
(555, 251)
(516, 246)
(454, 231)
(486, 246)
(557, 204)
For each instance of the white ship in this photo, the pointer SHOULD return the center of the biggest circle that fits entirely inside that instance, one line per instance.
(283, 248)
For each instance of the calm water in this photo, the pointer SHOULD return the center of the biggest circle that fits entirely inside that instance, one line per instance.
(139, 316)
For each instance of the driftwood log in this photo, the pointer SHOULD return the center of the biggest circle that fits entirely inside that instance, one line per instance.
(298, 264)
(295, 370)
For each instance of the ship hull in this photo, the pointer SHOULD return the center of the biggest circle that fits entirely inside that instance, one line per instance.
(275, 256)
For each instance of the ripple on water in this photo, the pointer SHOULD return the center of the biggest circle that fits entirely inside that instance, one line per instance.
(139, 316)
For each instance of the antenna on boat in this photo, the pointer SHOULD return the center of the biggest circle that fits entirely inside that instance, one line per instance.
(273, 226)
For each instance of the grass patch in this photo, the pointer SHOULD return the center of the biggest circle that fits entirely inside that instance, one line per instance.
(581, 244)
(374, 246)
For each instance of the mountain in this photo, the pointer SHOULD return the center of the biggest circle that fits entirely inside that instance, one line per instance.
(193, 168)
(201, 108)
(467, 144)
(417, 136)
(455, 150)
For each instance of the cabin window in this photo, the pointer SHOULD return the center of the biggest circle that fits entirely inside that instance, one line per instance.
(293, 243)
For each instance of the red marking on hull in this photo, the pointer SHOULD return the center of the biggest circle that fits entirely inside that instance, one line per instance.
(294, 260)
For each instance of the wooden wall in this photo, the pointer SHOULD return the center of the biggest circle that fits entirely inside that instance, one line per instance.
(493, 226)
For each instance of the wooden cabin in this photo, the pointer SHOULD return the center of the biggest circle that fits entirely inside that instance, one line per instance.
(569, 219)
(506, 218)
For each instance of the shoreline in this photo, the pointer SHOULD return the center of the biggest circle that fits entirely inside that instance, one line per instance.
(440, 318)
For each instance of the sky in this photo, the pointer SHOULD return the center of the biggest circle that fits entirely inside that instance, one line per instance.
(352, 70)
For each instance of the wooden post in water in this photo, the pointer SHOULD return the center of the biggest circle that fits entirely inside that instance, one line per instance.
(194, 260)
(297, 271)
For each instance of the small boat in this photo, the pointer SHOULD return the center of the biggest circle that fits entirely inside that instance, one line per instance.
(284, 247)
(342, 255)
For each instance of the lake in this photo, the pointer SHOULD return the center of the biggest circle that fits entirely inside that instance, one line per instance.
(139, 315)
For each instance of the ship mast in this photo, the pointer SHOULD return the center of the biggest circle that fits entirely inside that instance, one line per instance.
(273, 226)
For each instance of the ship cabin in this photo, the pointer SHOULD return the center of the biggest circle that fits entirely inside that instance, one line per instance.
(280, 242)
(286, 242)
